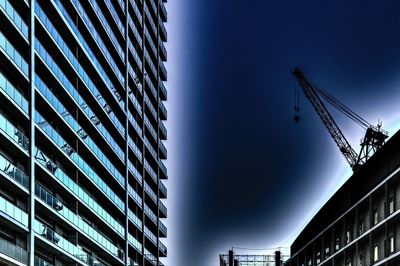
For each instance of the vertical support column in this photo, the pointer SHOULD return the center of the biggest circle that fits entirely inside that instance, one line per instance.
(277, 258)
(143, 129)
(305, 256)
(31, 235)
(356, 234)
(126, 135)
(158, 137)
(322, 249)
(344, 239)
(313, 254)
(371, 217)
(386, 241)
(230, 257)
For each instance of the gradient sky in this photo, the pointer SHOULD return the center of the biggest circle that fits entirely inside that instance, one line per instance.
(241, 173)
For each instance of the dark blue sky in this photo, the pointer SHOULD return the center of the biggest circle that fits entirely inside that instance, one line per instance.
(241, 172)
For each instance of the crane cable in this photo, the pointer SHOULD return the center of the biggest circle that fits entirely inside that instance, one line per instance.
(332, 101)
(341, 107)
(296, 102)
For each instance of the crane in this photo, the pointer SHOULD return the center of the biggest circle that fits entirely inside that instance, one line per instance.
(374, 137)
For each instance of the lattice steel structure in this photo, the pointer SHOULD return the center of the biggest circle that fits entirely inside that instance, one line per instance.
(251, 260)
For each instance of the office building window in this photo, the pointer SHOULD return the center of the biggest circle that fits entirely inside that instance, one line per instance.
(391, 205)
(376, 253)
(376, 217)
(337, 243)
(327, 251)
(391, 244)
(361, 227)
(348, 236)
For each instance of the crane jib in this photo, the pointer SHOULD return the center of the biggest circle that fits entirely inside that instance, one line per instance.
(374, 137)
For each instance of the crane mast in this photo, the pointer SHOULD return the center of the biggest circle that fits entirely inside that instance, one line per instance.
(373, 139)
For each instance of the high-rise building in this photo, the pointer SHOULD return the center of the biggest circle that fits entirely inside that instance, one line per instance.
(81, 132)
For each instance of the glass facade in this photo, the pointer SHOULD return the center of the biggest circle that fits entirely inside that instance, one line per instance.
(82, 129)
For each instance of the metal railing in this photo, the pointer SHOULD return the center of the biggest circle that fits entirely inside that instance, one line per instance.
(13, 251)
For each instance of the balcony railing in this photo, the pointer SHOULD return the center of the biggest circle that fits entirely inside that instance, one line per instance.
(150, 41)
(13, 251)
(164, 34)
(14, 55)
(132, 263)
(76, 190)
(163, 90)
(136, 244)
(135, 219)
(162, 148)
(75, 251)
(13, 133)
(163, 168)
(163, 69)
(136, 10)
(135, 196)
(13, 93)
(150, 192)
(150, 170)
(13, 172)
(12, 211)
(15, 17)
(150, 106)
(150, 257)
(163, 248)
(42, 262)
(163, 12)
(78, 160)
(150, 18)
(76, 220)
(150, 127)
(162, 207)
(163, 188)
(135, 31)
(162, 127)
(163, 228)
(151, 86)
(164, 53)
(162, 109)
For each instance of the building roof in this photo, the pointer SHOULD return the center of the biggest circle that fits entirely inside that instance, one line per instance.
(383, 162)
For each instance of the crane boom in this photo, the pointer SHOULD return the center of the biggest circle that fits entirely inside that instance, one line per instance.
(373, 139)
(344, 146)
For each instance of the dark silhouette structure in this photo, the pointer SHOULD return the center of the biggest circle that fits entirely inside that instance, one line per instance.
(374, 136)
(232, 259)
(360, 224)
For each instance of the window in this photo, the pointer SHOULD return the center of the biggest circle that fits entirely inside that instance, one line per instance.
(318, 260)
(337, 243)
(309, 262)
(348, 263)
(391, 244)
(361, 227)
(376, 217)
(391, 205)
(362, 260)
(327, 251)
(376, 253)
(348, 236)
